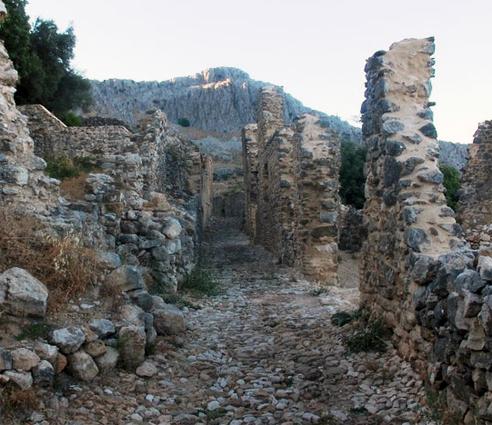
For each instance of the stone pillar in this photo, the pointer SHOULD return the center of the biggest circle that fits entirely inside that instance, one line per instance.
(317, 160)
(250, 167)
(407, 217)
(270, 119)
(270, 114)
(475, 204)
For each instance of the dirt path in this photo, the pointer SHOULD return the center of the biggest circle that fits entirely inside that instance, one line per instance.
(263, 352)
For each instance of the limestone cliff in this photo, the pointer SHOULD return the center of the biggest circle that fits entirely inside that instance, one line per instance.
(217, 100)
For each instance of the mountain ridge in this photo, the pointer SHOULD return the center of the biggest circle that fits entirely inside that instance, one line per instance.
(220, 100)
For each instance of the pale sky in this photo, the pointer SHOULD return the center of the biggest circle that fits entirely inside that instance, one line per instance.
(316, 49)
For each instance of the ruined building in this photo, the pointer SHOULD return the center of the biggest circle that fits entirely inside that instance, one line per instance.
(139, 207)
(291, 180)
(475, 203)
(417, 271)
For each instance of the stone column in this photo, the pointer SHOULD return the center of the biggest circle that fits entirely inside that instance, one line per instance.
(270, 119)
(250, 167)
(407, 217)
(317, 160)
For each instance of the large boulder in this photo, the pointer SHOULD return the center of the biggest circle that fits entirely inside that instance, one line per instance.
(68, 340)
(24, 359)
(21, 294)
(108, 360)
(102, 327)
(131, 343)
(82, 366)
(168, 320)
(126, 278)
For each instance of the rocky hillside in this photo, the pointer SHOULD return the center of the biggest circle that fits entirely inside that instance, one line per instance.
(217, 100)
(454, 154)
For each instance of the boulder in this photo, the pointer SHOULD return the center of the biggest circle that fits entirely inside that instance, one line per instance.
(102, 327)
(82, 366)
(169, 320)
(5, 360)
(172, 228)
(22, 379)
(146, 369)
(46, 351)
(132, 314)
(68, 340)
(22, 295)
(44, 373)
(95, 348)
(485, 267)
(126, 278)
(24, 359)
(60, 363)
(108, 360)
(131, 344)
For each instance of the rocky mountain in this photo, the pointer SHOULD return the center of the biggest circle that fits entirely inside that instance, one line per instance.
(216, 100)
(219, 102)
(454, 154)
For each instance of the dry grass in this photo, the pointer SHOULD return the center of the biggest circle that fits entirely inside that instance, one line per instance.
(74, 188)
(64, 265)
(17, 402)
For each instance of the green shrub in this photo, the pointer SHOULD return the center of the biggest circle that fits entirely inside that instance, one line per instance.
(62, 167)
(341, 318)
(71, 119)
(452, 183)
(200, 281)
(184, 122)
(35, 331)
(370, 336)
(352, 178)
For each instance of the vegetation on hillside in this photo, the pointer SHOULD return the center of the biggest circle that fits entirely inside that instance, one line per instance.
(352, 179)
(452, 183)
(184, 122)
(42, 56)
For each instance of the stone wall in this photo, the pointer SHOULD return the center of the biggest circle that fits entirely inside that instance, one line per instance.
(250, 166)
(149, 181)
(291, 181)
(475, 203)
(353, 231)
(417, 272)
(21, 172)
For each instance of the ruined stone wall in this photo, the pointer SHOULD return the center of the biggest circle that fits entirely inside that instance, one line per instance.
(21, 172)
(142, 239)
(317, 159)
(291, 180)
(142, 184)
(475, 204)
(417, 272)
(353, 232)
(250, 167)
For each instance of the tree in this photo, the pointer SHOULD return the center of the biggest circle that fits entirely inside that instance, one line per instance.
(352, 178)
(452, 183)
(184, 122)
(42, 56)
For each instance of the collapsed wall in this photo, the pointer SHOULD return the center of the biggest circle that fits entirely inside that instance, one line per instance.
(139, 177)
(475, 200)
(291, 181)
(417, 272)
(135, 216)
